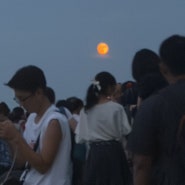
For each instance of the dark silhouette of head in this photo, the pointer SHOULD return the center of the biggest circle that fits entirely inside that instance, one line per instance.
(28, 78)
(4, 109)
(76, 104)
(129, 93)
(103, 85)
(17, 114)
(145, 62)
(50, 93)
(172, 53)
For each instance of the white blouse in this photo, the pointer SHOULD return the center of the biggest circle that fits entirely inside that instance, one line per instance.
(107, 121)
(61, 170)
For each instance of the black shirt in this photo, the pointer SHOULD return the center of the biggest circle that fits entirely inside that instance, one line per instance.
(155, 133)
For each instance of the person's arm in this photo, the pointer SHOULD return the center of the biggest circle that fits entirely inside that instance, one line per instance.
(82, 130)
(142, 169)
(72, 124)
(9, 133)
(42, 161)
(143, 140)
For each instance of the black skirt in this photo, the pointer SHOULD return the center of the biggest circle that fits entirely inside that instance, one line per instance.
(107, 165)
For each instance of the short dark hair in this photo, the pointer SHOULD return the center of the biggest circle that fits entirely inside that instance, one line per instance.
(76, 103)
(4, 109)
(28, 78)
(172, 53)
(16, 114)
(50, 93)
(145, 61)
(129, 93)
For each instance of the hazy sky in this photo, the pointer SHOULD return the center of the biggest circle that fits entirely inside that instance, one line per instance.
(60, 36)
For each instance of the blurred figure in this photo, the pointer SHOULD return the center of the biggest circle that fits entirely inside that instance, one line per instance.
(157, 139)
(4, 111)
(129, 93)
(129, 99)
(64, 108)
(117, 93)
(145, 62)
(146, 72)
(18, 117)
(78, 150)
(5, 153)
(75, 107)
(50, 94)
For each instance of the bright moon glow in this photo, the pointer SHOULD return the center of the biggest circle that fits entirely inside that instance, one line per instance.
(102, 48)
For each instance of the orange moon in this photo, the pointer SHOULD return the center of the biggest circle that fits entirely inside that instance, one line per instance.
(102, 48)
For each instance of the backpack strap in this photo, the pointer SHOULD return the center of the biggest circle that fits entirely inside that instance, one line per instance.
(27, 165)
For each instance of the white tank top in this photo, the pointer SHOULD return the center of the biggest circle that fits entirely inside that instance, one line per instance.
(61, 170)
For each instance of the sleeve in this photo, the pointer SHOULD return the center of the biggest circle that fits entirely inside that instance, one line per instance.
(144, 135)
(81, 131)
(125, 126)
(62, 120)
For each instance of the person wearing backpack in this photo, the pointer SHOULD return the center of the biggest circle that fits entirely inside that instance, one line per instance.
(158, 156)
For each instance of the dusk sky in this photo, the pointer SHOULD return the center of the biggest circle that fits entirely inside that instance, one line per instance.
(61, 36)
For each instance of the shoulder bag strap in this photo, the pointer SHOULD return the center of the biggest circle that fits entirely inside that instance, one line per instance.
(27, 165)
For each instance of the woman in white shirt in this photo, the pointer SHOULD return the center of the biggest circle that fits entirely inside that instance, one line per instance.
(103, 124)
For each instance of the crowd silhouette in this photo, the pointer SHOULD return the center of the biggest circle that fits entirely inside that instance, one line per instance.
(123, 133)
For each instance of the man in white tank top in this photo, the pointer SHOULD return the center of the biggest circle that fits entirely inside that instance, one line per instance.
(51, 162)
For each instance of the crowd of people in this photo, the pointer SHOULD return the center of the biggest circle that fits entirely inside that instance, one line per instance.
(123, 133)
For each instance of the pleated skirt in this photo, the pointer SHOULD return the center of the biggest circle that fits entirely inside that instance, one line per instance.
(107, 165)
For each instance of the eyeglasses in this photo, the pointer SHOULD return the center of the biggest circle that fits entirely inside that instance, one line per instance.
(22, 100)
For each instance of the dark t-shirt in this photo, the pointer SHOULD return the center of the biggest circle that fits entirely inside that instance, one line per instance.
(155, 133)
